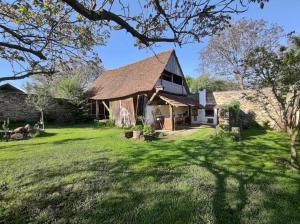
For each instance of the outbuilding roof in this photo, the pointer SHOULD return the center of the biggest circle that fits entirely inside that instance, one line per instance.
(10, 88)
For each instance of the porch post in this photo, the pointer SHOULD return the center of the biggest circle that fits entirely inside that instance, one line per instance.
(97, 109)
(172, 118)
(190, 115)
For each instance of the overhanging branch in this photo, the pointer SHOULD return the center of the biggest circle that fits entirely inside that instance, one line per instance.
(20, 48)
(26, 75)
(102, 14)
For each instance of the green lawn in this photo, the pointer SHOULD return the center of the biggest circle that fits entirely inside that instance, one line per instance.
(85, 175)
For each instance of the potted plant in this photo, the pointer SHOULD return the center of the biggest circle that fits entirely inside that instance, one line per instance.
(137, 131)
(148, 133)
(128, 134)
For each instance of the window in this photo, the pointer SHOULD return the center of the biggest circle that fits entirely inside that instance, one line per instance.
(209, 113)
(177, 79)
(210, 120)
(166, 77)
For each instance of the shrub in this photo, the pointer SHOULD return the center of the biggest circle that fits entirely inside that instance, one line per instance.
(110, 123)
(137, 128)
(221, 135)
(148, 130)
(102, 124)
(224, 127)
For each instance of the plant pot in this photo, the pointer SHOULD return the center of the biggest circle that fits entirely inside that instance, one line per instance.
(137, 134)
(149, 137)
(128, 134)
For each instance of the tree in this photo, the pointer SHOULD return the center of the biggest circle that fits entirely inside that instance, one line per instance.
(36, 35)
(39, 97)
(226, 51)
(71, 82)
(280, 73)
(204, 81)
(85, 71)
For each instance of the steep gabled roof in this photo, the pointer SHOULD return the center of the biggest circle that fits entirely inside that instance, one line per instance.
(10, 88)
(134, 78)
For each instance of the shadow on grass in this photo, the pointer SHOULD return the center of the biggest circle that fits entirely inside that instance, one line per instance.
(19, 146)
(43, 134)
(190, 181)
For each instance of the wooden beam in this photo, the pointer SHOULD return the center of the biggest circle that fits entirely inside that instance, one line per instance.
(97, 109)
(190, 115)
(171, 117)
(105, 105)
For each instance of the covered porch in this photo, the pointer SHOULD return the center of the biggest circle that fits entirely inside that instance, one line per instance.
(171, 112)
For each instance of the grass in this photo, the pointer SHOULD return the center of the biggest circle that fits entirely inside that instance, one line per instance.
(83, 175)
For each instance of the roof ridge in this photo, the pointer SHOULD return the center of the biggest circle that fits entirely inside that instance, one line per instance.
(139, 61)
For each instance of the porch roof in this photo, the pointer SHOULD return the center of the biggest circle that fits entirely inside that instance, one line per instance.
(178, 101)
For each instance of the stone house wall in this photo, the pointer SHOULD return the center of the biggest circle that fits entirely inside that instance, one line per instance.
(13, 106)
(261, 116)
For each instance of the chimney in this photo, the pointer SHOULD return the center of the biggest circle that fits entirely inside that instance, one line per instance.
(202, 97)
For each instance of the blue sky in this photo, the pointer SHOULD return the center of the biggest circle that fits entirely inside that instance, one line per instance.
(120, 49)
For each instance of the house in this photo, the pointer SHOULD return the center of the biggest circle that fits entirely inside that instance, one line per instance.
(153, 89)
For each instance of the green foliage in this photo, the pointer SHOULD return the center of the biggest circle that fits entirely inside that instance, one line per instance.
(137, 128)
(70, 88)
(224, 127)
(233, 108)
(110, 123)
(223, 134)
(101, 124)
(38, 96)
(148, 130)
(205, 82)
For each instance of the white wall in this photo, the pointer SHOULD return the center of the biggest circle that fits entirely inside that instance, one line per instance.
(202, 97)
(165, 111)
(171, 87)
(201, 119)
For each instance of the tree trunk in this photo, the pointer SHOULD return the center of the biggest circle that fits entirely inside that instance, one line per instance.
(242, 86)
(42, 120)
(293, 149)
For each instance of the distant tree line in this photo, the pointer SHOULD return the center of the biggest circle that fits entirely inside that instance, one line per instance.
(205, 81)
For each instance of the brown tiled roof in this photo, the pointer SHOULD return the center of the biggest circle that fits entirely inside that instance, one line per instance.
(178, 101)
(137, 77)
